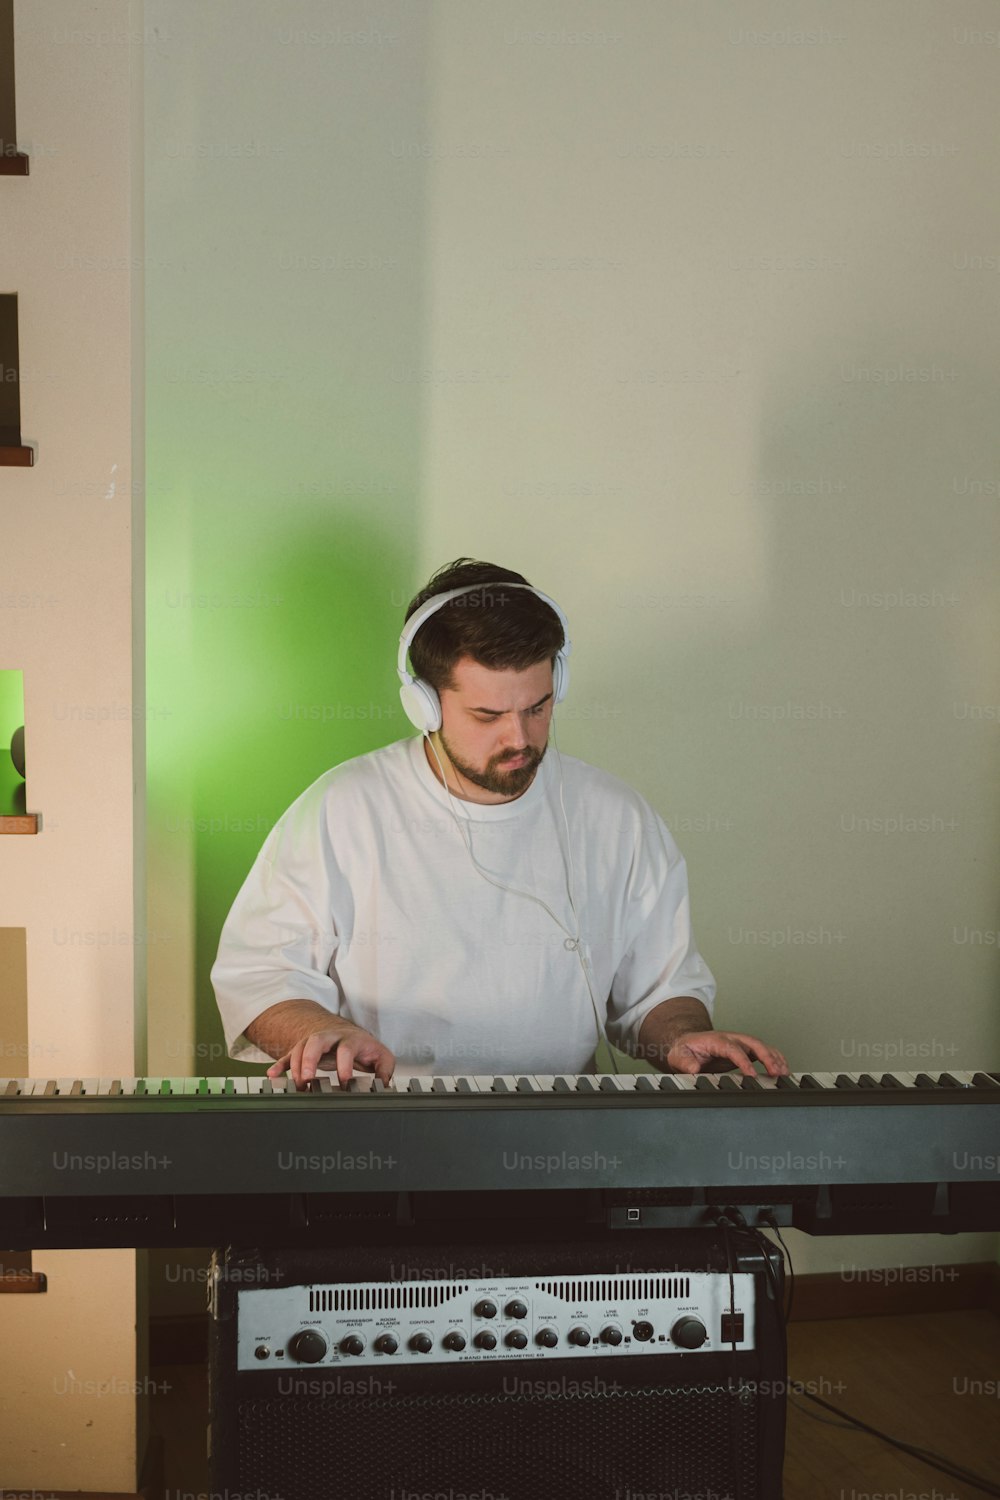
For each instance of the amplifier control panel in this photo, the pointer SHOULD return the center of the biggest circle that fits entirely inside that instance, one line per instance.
(516, 1318)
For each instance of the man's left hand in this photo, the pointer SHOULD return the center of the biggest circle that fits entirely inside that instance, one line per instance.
(716, 1051)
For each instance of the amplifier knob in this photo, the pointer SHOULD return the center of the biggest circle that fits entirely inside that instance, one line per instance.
(516, 1309)
(547, 1337)
(454, 1340)
(386, 1343)
(580, 1336)
(421, 1343)
(308, 1347)
(352, 1344)
(611, 1335)
(486, 1308)
(690, 1333)
(516, 1339)
(485, 1340)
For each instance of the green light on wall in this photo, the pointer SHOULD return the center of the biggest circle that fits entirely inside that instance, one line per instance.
(12, 789)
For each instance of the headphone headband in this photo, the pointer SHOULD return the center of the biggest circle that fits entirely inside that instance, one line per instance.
(419, 699)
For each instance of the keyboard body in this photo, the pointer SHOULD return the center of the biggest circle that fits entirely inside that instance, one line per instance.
(195, 1161)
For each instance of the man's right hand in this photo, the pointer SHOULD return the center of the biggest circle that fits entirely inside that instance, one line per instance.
(345, 1049)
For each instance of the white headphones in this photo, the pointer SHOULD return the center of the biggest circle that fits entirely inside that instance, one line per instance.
(421, 703)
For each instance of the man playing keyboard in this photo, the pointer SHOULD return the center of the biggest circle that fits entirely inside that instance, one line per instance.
(464, 901)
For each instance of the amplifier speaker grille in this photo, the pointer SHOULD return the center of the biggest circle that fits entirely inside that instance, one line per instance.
(521, 1446)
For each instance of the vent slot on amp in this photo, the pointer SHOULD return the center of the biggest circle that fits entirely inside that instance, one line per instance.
(378, 1298)
(619, 1289)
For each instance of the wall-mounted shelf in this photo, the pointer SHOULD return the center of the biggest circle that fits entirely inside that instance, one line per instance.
(20, 823)
(13, 163)
(16, 455)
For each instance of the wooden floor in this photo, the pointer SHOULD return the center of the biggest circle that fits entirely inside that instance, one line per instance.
(931, 1379)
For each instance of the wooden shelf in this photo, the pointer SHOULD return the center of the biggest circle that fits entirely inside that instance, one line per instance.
(13, 164)
(16, 455)
(20, 823)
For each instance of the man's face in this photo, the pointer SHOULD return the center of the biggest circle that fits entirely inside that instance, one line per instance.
(495, 725)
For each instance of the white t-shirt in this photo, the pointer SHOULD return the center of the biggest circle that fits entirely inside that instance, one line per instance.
(364, 898)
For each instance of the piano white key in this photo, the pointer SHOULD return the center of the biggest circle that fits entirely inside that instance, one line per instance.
(37, 1086)
(188, 1086)
(128, 1085)
(361, 1083)
(282, 1085)
(545, 1081)
(466, 1079)
(907, 1079)
(416, 1085)
(240, 1085)
(684, 1080)
(626, 1081)
(764, 1080)
(965, 1079)
(255, 1085)
(216, 1085)
(91, 1085)
(608, 1081)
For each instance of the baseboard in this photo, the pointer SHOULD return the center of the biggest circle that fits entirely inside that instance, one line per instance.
(884, 1292)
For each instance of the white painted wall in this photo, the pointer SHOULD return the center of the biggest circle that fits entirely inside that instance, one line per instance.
(708, 319)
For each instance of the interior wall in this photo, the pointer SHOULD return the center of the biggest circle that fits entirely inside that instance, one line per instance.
(686, 312)
(70, 1417)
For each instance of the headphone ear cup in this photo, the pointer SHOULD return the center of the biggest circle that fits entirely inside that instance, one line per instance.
(560, 678)
(421, 705)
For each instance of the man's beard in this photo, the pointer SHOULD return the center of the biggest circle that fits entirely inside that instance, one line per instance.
(506, 783)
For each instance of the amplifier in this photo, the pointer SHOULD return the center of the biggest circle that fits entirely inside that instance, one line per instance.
(505, 1368)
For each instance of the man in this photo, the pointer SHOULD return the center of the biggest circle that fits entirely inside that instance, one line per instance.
(462, 902)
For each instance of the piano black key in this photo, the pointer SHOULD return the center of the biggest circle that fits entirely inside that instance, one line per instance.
(462, 1086)
(785, 1081)
(669, 1085)
(378, 1087)
(165, 1088)
(439, 1086)
(866, 1081)
(77, 1086)
(11, 1088)
(844, 1081)
(500, 1087)
(890, 1081)
(947, 1081)
(750, 1083)
(229, 1087)
(925, 1081)
(524, 1086)
(562, 1085)
(609, 1086)
(985, 1081)
(705, 1084)
(585, 1085)
(50, 1089)
(807, 1081)
(266, 1087)
(645, 1083)
(729, 1084)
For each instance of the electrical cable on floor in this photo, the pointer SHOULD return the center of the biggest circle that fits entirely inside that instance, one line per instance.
(928, 1456)
(925, 1455)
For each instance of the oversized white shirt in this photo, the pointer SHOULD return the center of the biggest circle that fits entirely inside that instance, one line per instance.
(364, 898)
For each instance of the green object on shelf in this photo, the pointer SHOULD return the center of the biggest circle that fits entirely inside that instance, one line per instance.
(12, 792)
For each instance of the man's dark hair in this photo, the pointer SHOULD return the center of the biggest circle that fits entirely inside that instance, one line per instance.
(499, 628)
